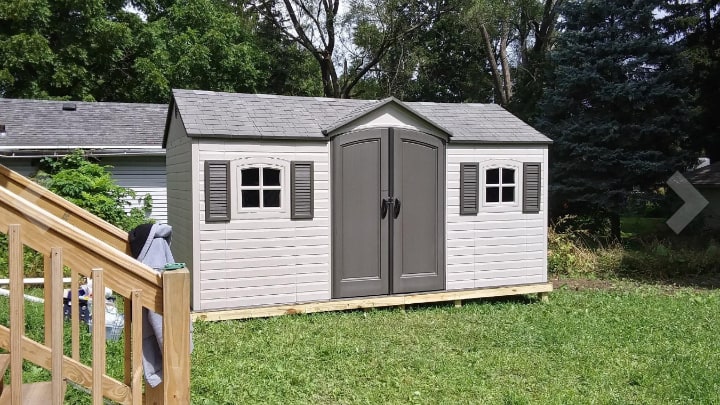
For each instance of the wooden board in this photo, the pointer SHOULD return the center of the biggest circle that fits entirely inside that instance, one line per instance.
(34, 393)
(370, 302)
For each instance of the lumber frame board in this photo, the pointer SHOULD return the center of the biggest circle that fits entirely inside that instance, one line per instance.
(370, 302)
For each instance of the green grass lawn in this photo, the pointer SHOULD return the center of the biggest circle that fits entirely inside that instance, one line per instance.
(633, 344)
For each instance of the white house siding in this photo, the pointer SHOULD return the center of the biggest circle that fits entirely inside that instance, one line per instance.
(21, 165)
(500, 246)
(144, 175)
(265, 259)
(181, 206)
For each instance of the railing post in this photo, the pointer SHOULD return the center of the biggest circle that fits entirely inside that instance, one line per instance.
(176, 344)
(17, 312)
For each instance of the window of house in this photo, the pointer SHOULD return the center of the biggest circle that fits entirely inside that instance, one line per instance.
(500, 185)
(260, 187)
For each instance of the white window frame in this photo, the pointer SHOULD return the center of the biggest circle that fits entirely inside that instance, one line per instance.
(512, 165)
(238, 211)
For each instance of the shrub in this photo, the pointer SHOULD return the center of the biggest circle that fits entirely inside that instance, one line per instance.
(91, 187)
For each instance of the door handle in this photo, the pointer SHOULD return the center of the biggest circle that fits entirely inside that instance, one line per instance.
(396, 208)
(384, 207)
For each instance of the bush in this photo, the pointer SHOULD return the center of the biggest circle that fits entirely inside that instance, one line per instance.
(574, 251)
(90, 186)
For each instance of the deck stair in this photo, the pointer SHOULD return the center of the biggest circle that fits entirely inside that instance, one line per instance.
(71, 238)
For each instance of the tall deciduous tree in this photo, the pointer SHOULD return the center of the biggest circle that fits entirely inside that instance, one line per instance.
(371, 28)
(63, 48)
(515, 36)
(696, 27)
(613, 107)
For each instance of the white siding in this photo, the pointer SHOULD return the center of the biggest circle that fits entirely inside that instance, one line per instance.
(500, 245)
(21, 165)
(181, 166)
(144, 175)
(265, 258)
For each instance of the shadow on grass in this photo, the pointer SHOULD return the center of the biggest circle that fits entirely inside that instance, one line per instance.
(690, 259)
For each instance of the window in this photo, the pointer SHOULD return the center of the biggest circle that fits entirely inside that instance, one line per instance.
(260, 187)
(500, 185)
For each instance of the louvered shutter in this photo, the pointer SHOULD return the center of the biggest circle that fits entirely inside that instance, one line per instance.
(531, 187)
(469, 188)
(301, 190)
(217, 190)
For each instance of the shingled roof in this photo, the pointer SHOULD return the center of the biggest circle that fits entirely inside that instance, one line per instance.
(235, 115)
(708, 176)
(47, 125)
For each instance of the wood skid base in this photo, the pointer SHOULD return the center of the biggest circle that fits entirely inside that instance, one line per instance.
(541, 289)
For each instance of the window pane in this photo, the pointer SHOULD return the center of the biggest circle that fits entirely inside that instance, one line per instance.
(492, 194)
(250, 177)
(492, 176)
(250, 198)
(271, 198)
(508, 194)
(508, 176)
(271, 177)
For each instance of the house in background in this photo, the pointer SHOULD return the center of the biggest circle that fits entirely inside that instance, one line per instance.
(278, 201)
(707, 180)
(126, 136)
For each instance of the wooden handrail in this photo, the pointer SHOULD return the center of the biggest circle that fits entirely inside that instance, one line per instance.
(63, 243)
(62, 208)
(81, 250)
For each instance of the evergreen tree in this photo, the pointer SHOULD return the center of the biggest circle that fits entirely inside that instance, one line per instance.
(613, 106)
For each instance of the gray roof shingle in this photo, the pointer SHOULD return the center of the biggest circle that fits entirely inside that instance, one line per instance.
(42, 125)
(236, 115)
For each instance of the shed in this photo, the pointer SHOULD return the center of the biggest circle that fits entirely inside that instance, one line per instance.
(707, 180)
(280, 201)
(126, 136)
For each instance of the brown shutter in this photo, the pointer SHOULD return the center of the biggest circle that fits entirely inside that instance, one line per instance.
(531, 187)
(301, 190)
(469, 188)
(217, 190)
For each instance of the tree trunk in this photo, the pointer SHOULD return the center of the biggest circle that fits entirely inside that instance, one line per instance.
(615, 227)
(329, 77)
(497, 77)
(505, 63)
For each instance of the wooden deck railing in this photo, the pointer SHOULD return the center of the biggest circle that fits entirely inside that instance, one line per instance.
(69, 237)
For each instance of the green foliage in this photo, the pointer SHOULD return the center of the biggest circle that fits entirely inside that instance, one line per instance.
(91, 187)
(633, 343)
(615, 107)
(649, 251)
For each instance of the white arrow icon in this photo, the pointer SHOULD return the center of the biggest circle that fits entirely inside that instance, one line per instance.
(694, 202)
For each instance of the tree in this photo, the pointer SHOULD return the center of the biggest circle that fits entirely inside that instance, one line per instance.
(372, 28)
(524, 28)
(441, 63)
(613, 107)
(51, 49)
(91, 187)
(695, 25)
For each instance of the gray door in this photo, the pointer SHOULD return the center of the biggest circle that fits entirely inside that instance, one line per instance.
(388, 213)
(418, 248)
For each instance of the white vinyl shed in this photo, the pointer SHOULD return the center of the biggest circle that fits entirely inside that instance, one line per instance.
(280, 201)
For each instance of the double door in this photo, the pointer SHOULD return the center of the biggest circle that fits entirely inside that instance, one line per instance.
(388, 212)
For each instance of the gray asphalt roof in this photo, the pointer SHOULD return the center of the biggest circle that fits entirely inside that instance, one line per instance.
(44, 125)
(215, 114)
(705, 176)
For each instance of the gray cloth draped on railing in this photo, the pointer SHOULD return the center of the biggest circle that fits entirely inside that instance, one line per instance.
(150, 244)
